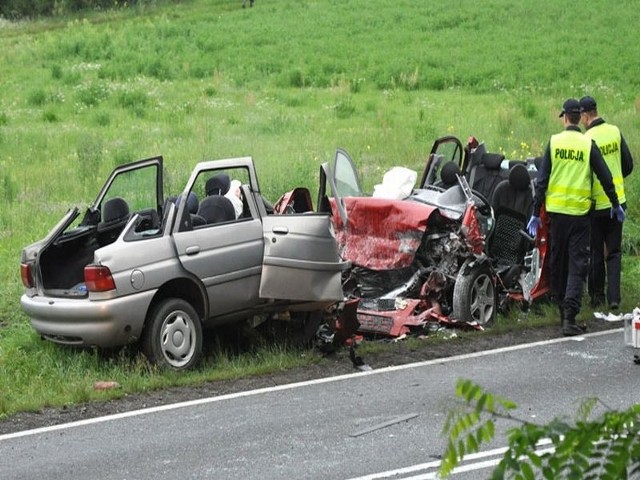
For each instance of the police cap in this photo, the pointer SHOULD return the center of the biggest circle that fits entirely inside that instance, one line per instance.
(571, 105)
(588, 104)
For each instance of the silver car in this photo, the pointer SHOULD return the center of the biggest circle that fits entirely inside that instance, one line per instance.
(138, 268)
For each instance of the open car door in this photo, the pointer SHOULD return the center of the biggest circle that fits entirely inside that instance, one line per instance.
(301, 259)
(342, 181)
(139, 183)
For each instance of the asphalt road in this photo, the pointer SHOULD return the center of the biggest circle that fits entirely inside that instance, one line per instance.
(380, 424)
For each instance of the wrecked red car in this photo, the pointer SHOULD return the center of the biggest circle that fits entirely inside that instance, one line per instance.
(452, 253)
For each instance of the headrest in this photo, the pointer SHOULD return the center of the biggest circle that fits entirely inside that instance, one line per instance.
(218, 184)
(216, 208)
(519, 177)
(449, 172)
(192, 202)
(115, 208)
(492, 160)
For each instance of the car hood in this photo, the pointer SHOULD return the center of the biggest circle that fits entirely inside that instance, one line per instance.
(381, 234)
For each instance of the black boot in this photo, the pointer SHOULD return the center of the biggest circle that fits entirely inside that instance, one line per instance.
(569, 326)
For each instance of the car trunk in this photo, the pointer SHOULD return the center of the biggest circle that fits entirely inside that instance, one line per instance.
(61, 264)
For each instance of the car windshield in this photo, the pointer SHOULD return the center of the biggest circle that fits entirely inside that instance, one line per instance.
(451, 202)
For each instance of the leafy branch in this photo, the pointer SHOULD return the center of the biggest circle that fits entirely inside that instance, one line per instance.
(606, 448)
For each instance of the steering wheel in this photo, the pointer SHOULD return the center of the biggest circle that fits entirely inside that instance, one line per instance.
(483, 205)
(485, 209)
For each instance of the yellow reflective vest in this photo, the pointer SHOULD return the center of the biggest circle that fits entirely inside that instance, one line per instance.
(569, 189)
(609, 140)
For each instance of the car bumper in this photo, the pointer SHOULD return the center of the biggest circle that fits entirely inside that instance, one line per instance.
(83, 322)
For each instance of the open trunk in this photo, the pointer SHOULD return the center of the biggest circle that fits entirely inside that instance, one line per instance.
(62, 264)
(55, 265)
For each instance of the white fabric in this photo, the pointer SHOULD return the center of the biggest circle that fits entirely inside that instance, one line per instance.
(397, 183)
(234, 195)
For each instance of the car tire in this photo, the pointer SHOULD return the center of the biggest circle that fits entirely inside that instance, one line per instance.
(172, 338)
(475, 295)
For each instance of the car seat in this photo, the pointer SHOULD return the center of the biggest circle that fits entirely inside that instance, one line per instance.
(512, 202)
(485, 176)
(216, 209)
(297, 200)
(115, 215)
(192, 208)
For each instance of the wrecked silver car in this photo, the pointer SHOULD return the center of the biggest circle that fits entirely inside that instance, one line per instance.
(137, 268)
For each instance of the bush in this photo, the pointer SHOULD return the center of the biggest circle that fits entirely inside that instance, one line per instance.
(605, 448)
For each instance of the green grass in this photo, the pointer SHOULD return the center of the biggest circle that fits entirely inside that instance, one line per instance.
(285, 82)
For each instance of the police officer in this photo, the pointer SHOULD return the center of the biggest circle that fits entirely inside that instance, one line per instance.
(563, 185)
(606, 232)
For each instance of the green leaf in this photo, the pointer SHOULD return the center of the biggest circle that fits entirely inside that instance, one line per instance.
(461, 449)
(490, 430)
(527, 471)
(473, 393)
(472, 445)
(462, 388)
(481, 401)
(498, 472)
(512, 463)
(535, 460)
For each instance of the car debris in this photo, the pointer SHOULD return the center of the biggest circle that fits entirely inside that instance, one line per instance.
(451, 254)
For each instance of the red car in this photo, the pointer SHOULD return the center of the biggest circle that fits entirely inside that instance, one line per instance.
(452, 253)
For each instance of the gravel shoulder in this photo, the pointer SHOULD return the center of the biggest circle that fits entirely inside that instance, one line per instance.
(338, 363)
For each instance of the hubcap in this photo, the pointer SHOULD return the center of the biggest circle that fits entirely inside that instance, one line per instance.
(482, 299)
(177, 339)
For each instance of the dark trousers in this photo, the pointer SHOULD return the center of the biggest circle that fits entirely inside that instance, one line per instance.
(569, 258)
(606, 257)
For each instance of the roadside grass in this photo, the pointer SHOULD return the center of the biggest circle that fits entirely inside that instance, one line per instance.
(35, 374)
(287, 83)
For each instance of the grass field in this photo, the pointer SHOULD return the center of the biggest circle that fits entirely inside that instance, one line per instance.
(285, 82)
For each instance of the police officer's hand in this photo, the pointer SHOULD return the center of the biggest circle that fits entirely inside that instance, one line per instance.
(533, 225)
(618, 213)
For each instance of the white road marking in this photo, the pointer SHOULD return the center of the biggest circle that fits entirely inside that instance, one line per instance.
(470, 463)
(290, 386)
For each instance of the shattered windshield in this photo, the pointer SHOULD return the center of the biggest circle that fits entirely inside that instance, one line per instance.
(451, 202)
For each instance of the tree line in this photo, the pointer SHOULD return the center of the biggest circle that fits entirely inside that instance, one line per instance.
(29, 9)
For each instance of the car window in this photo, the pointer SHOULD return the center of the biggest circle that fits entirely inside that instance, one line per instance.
(345, 176)
(136, 187)
(216, 197)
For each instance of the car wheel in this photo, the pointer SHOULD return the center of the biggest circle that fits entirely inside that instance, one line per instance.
(173, 335)
(474, 295)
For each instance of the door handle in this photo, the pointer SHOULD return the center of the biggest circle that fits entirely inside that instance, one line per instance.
(280, 230)
(193, 250)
